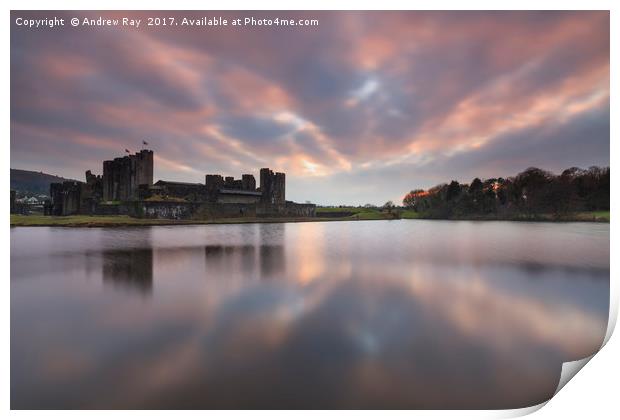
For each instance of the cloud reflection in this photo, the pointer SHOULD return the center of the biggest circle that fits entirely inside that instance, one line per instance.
(317, 315)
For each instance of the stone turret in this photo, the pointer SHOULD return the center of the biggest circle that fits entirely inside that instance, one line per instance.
(272, 186)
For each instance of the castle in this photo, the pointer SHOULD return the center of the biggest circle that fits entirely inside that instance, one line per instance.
(126, 187)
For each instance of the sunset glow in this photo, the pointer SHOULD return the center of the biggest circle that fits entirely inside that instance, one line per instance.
(362, 108)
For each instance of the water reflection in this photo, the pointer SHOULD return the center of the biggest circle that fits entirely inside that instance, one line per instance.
(409, 314)
(245, 258)
(272, 261)
(130, 269)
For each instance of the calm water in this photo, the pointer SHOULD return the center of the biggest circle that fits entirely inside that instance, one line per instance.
(378, 314)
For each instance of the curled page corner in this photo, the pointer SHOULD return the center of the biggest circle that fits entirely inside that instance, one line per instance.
(613, 314)
(520, 412)
(569, 370)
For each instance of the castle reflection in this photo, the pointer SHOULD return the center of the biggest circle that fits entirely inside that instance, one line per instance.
(129, 269)
(269, 258)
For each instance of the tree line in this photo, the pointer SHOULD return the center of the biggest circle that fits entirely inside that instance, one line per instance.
(529, 194)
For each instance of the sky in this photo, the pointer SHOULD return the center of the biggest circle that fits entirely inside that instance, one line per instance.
(360, 109)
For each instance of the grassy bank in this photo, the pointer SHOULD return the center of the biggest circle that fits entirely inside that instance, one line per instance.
(110, 221)
(586, 216)
(114, 221)
(593, 216)
(363, 213)
(119, 221)
(324, 214)
(357, 213)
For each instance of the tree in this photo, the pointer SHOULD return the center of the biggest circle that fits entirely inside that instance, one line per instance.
(412, 197)
(532, 185)
(476, 186)
(454, 190)
(533, 191)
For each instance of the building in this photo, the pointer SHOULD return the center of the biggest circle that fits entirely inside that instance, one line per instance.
(126, 187)
(220, 189)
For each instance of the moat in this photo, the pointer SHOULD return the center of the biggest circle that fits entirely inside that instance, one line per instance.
(371, 314)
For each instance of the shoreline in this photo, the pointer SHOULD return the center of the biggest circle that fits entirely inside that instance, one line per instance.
(126, 221)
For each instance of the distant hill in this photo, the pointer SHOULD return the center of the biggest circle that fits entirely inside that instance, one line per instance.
(33, 182)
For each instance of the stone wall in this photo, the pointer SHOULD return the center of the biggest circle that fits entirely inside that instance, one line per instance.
(185, 190)
(231, 198)
(91, 193)
(162, 210)
(102, 209)
(74, 197)
(288, 209)
(205, 210)
(65, 198)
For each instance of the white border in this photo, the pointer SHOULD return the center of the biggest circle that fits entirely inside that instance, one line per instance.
(594, 393)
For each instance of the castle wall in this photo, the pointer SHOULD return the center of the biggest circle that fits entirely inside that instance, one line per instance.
(185, 210)
(66, 198)
(237, 198)
(110, 209)
(91, 193)
(188, 191)
(288, 209)
(204, 210)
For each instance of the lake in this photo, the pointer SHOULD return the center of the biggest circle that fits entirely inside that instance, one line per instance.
(366, 314)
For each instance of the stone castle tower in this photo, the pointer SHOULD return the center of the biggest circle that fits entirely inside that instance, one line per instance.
(123, 176)
(272, 186)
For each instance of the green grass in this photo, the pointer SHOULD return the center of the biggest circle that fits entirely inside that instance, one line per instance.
(103, 221)
(596, 216)
(356, 210)
(112, 221)
(20, 220)
(354, 213)
(376, 214)
(410, 214)
(359, 214)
